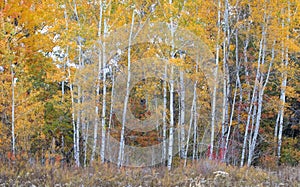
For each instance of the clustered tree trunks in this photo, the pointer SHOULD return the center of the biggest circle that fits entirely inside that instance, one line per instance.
(49, 110)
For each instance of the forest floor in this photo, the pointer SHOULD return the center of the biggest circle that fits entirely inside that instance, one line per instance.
(204, 173)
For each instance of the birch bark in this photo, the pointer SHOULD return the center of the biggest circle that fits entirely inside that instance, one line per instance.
(13, 82)
(285, 63)
(213, 111)
(122, 139)
(103, 137)
(96, 120)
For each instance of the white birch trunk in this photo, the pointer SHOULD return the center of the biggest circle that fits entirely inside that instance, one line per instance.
(164, 151)
(257, 124)
(76, 158)
(195, 130)
(122, 139)
(86, 136)
(13, 138)
(281, 112)
(213, 111)
(179, 120)
(110, 114)
(77, 151)
(191, 122)
(238, 67)
(171, 130)
(182, 115)
(171, 135)
(226, 84)
(230, 123)
(248, 96)
(253, 118)
(78, 126)
(103, 135)
(96, 120)
(282, 92)
(195, 115)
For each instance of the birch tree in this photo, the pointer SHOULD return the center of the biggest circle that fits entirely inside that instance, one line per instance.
(214, 96)
(96, 120)
(122, 139)
(171, 82)
(285, 63)
(13, 84)
(226, 85)
(103, 117)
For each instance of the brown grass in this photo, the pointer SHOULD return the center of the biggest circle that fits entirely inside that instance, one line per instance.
(203, 173)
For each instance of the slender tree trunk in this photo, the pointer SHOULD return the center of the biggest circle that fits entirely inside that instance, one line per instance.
(96, 120)
(73, 113)
(246, 44)
(261, 87)
(195, 115)
(171, 130)
(86, 136)
(111, 113)
(122, 139)
(78, 126)
(195, 152)
(226, 84)
(238, 67)
(102, 151)
(182, 115)
(281, 111)
(283, 91)
(260, 100)
(237, 83)
(179, 120)
(76, 157)
(213, 113)
(77, 150)
(79, 109)
(13, 138)
(253, 118)
(230, 124)
(164, 151)
(252, 101)
(171, 135)
(191, 122)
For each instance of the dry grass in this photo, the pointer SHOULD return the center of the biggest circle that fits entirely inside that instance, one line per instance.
(204, 173)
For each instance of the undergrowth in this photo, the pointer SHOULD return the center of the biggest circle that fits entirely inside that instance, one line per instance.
(203, 173)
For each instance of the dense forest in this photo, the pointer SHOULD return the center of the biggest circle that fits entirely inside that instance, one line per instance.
(150, 83)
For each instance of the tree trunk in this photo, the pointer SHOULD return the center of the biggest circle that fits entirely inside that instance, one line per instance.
(226, 84)
(96, 120)
(285, 63)
(164, 151)
(213, 110)
(102, 151)
(252, 102)
(13, 138)
(122, 139)
(191, 122)
(171, 136)
(182, 115)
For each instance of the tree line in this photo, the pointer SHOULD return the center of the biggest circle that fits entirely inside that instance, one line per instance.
(68, 81)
